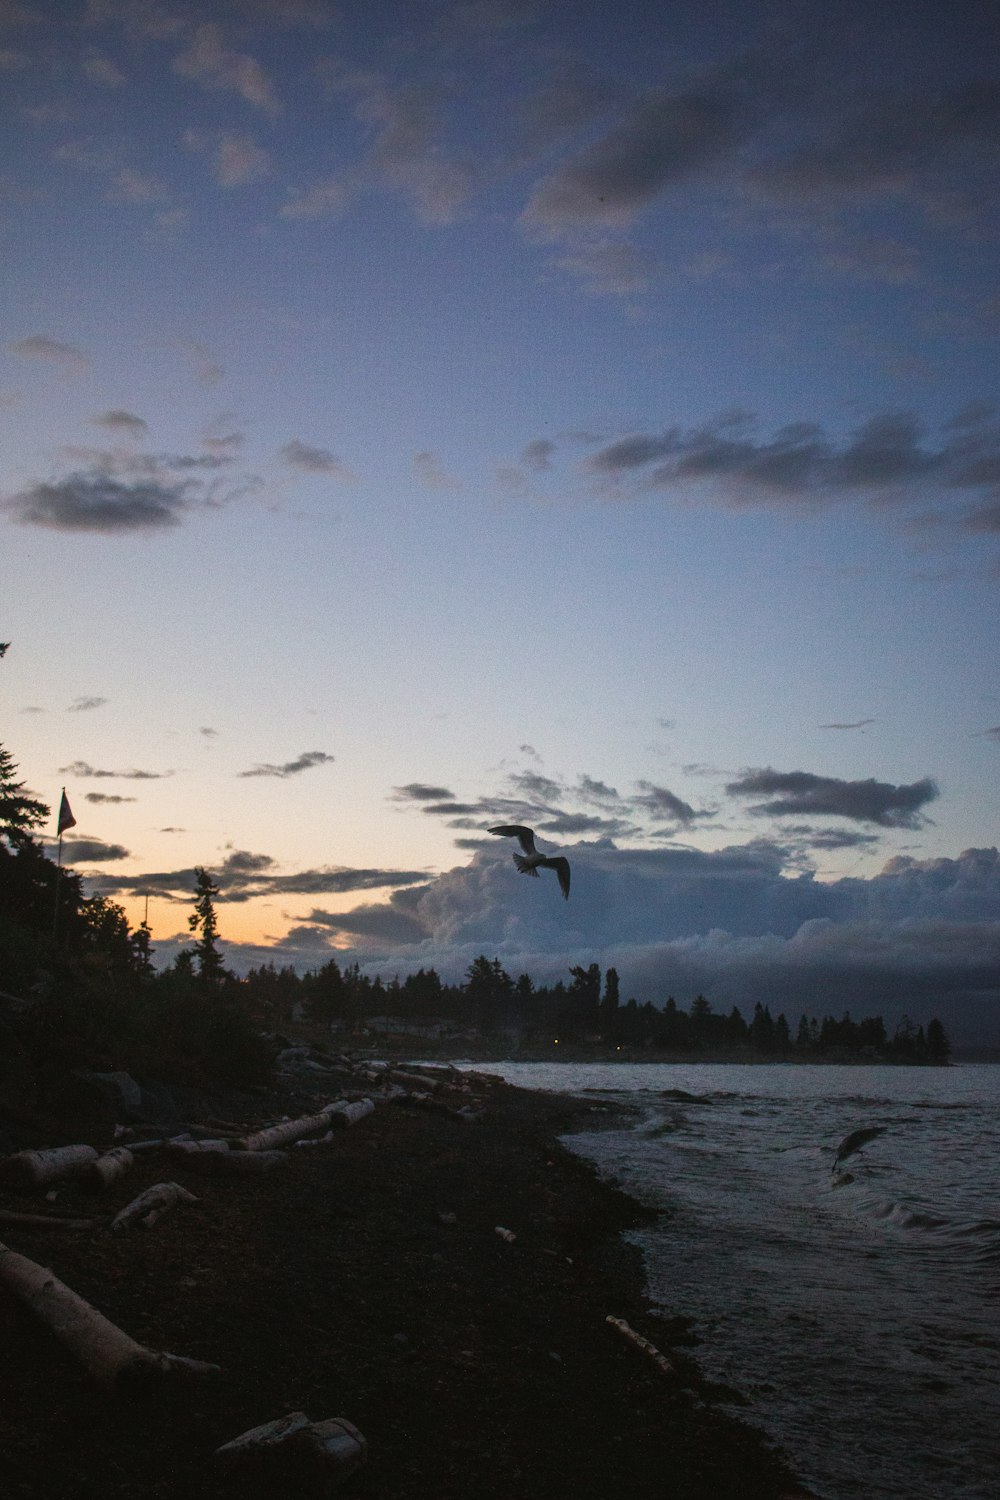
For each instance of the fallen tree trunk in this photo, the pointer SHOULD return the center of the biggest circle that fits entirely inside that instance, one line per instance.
(113, 1359)
(152, 1205)
(349, 1114)
(287, 1131)
(36, 1169)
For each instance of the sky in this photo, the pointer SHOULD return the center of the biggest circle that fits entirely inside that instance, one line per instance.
(418, 417)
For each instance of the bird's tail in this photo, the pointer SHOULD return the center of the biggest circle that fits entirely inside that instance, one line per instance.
(524, 867)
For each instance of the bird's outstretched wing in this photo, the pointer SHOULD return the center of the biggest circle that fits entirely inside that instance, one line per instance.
(524, 836)
(561, 867)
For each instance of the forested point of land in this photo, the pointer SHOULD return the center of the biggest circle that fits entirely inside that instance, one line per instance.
(79, 988)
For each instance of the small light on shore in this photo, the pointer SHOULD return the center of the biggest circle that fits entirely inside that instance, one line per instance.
(555, 1041)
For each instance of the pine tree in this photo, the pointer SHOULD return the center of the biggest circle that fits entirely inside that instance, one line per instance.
(203, 921)
(19, 812)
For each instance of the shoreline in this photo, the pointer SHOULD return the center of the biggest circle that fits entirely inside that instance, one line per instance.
(367, 1280)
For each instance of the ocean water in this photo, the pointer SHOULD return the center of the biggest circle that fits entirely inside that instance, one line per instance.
(856, 1305)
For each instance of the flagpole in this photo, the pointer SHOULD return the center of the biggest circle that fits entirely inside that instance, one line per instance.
(65, 820)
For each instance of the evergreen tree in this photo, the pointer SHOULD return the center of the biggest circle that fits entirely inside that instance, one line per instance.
(203, 921)
(19, 811)
(609, 1005)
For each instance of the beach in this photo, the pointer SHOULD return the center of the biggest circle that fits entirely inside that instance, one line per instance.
(366, 1280)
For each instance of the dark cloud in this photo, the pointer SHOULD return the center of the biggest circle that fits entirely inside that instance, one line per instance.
(661, 803)
(98, 502)
(797, 792)
(91, 851)
(384, 923)
(103, 797)
(661, 141)
(83, 769)
(538, 454)
(303, 762)
(800, 462)
(419, 791)
(885, 146)
(244, 875)
(82, 705)
(857, 724)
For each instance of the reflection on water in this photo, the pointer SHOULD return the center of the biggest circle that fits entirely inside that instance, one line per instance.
(856, 1304)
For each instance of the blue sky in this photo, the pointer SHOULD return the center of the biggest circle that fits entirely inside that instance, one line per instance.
(438, 414)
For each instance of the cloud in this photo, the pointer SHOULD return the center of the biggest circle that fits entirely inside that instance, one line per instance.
(122, 421)
(661, 803)
(408, 153)
(920, 937)
(386, 924)
(236, 158)
(801, 463)
(84, 770)
(105, 797)
(303, 762)
(102, 71)
(40, 346)
(83, 705)
(887, 146)
(660, 140)
(433, 474)
(91, 851)
(309, 460)
(244, 876)
(208, 62)
(419, 791)
(857, 724)
(98, 502)
(324, 198)
(797, 792)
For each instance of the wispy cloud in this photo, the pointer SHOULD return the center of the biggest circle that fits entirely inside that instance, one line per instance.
(98, 502)
(209, 62)
(304, 762)
(40, 346)
(309, 460)
(857, 724)
(83, 705)
(100, 798)
(235, 156)
(83, 769)
(121, 421)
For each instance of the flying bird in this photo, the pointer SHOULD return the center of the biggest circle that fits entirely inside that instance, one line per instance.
(528, 863)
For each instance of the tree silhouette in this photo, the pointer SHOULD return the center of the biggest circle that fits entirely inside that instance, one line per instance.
(203, 921)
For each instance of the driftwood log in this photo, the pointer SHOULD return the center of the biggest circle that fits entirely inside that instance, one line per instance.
(152, 1205)
(287, 1131)
(113, 1359)
(295, 1455)
(107, 1169)
(36, 1169)
(638, 1342)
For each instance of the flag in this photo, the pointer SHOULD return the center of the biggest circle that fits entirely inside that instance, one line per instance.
(66, 818)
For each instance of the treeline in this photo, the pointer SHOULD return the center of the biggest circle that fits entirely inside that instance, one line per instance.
(491, 1003)
(79, 988)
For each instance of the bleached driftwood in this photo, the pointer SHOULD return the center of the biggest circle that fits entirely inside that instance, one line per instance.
(287, 1131)
(113, 1359)
(414, 1080)
(152, 1205)
(349, 1114)
(193, 1148)
(44, 1221)
(636, 1339)
(36, 1169)
(292, 1452)
(505, 1234)
(100, 1174)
